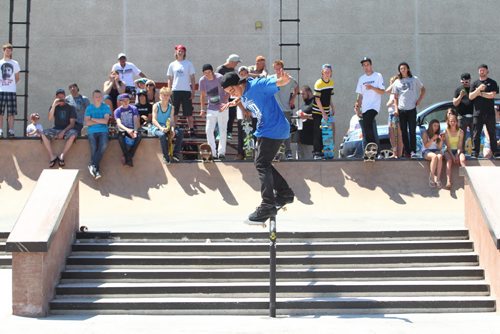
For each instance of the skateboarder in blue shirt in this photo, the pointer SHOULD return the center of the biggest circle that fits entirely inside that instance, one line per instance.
(257, 96)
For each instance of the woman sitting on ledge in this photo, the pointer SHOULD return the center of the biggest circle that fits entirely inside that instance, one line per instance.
(454, 151)
(433, 144)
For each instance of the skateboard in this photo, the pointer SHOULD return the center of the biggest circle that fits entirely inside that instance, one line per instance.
(370, 152)
(327, 134)
(206, 152)
(395, 127)
(280, 154)
(170, 136)
(263, 224)
(248, 140)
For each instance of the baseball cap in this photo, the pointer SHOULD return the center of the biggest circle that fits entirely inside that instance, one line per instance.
(230, 79)
(366, 59)
(180, 46)
(141, 80)
(259, 58)
(60, 91)
(465, 76)
(121, 55)
(207, 67)
(326, 66)
(242, 68)
(233, 57)
(123, 97)
(142, 92)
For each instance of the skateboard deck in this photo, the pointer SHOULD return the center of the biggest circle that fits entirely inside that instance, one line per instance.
(206, 152)
(370, 152)
(327, 135)
(248, 140)
(280, 155)
(263, 224)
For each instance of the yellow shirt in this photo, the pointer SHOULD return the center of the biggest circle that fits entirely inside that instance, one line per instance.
(453, 140)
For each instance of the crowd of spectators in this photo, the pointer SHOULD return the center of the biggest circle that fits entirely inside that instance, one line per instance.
(131, 106)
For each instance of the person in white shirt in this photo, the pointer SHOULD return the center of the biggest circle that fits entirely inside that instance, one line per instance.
(34, 129)
(180, 76)
(370, 89)
(127, 72)
(10, 77)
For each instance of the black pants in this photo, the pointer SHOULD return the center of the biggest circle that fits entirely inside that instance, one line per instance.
(466, 122)
(317, 134)
(369, 126)
(408, 123)
(485, 118)
(230, 121)
(128, 151)
(270, 179)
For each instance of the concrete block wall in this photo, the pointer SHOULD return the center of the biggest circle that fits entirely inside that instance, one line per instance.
(77, 41)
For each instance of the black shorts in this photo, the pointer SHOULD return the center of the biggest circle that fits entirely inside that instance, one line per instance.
(182, 97)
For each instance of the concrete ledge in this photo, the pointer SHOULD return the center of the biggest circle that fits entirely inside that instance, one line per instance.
(482, 218)
(41, 240)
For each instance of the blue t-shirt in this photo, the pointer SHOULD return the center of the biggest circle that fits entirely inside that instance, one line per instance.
(94, 112)
(126, 115)
(259, 99)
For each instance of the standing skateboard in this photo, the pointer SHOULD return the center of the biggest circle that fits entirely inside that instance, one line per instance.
(170, 136)
(370, 152)
(327, 134)
(280, 155)
(206, 152)
(248, 140)
(395, 127)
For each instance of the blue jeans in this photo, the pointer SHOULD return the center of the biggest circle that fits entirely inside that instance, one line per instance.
(179, 136)
(98, 143)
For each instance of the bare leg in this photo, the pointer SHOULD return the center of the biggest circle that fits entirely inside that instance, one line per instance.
(48, 147)
(190, 120)
(67, 146)
(10, 122)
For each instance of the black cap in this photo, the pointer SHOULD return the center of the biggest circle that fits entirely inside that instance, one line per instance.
(207, 67)
(465, 76)
(142, 92)
(60, 91)
(230, 79)
(366, 59)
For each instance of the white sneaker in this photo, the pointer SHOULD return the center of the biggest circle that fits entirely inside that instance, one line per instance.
(1, 133)
(413, 155)
(92, 170)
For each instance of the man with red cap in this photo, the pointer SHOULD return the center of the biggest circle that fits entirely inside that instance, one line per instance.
(180, 77)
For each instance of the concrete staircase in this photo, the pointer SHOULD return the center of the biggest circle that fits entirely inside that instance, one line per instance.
(5, 258)
(317, 273)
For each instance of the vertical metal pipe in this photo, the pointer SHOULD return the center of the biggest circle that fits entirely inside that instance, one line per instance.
(11, 20)
(272, 267)
(26, 63)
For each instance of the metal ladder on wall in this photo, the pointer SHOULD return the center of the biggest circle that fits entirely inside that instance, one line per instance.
(292, 63)
(24, 63)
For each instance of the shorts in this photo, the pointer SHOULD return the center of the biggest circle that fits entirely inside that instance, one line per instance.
(182, 97)
(392, 119)
(425, 152)
(8, 101)
(53, 133)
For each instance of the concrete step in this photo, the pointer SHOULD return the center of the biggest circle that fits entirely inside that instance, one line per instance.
(302, 289)
(285, 306)
(251, 248)
(254, 274)
(5, 258)
(282, 236)
(235, 261)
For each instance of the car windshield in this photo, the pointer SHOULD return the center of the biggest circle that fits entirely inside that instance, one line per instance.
(438, 113)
